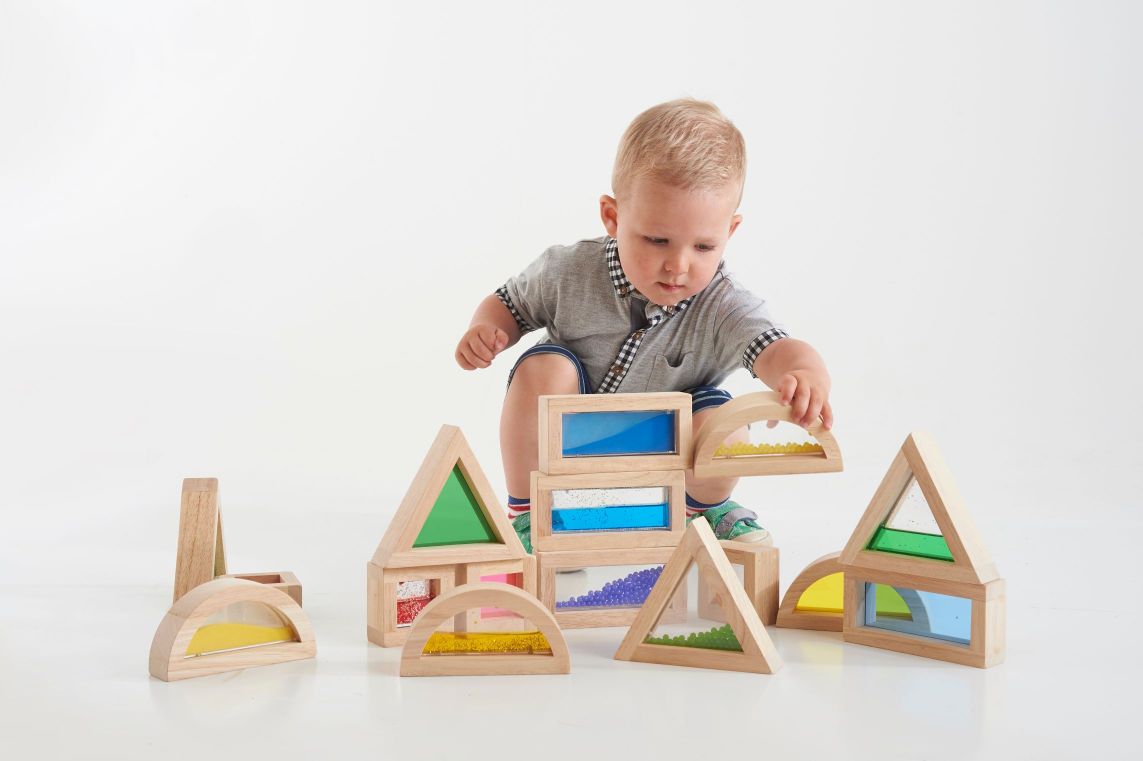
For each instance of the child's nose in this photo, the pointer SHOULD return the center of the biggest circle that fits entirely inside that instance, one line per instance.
(675, 262)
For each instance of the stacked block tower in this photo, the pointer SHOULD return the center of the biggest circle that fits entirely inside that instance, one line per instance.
(609, 495)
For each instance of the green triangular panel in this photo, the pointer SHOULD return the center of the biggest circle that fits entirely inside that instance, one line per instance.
(456, 517)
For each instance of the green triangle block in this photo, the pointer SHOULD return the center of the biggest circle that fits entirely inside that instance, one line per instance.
(456, 517)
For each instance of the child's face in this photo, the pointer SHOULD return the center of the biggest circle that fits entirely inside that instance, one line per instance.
(670, 240)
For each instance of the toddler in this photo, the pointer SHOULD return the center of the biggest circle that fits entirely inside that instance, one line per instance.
(647, 307)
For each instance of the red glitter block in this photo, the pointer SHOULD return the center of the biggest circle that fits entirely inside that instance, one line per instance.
(409, 607)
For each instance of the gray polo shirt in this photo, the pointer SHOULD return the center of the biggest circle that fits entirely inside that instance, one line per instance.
(580, 294)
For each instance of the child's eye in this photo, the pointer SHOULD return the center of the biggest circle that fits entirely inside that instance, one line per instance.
(655, 241)
(705, 249)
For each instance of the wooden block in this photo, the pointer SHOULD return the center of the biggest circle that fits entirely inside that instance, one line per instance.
(550, 563)
(919, 458)
(280, 580)
(200, 552)
(551, 440)
(759, 580)
(544, 539)
(753, 408)
(789, 617)
(168, 659)
(986, 647)
(474, 620)
(381, 595)
(483, 595)
(700, 547)
(448, 451)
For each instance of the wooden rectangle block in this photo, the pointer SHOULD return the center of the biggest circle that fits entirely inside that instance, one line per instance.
(608, 511)
(283, 580)
(607, 433)
(591, 611)
(759, 578)
(923, 606)
(382, 600)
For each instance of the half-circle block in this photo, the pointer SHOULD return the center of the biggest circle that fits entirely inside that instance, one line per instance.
(485, 594)
(789, 617)
(169, 660)
(752, 408)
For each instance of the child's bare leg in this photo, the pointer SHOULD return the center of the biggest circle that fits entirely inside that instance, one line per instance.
(716, 489)
(535, 376)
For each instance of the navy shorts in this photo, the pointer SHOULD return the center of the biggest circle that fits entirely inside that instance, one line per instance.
(702, 397)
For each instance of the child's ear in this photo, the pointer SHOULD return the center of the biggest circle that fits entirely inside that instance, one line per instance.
(609, 213)
(735, 221)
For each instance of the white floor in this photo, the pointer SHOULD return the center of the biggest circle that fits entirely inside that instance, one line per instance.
(74, 683)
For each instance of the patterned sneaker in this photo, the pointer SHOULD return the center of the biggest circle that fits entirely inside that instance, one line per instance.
(733, 521)
(523, 525)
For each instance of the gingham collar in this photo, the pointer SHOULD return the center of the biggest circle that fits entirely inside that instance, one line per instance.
(622, 285)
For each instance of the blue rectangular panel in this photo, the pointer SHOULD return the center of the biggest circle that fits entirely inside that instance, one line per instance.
(931, 615)
(601, 434)
(612, 518)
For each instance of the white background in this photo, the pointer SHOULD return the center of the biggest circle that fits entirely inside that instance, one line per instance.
(241, 239)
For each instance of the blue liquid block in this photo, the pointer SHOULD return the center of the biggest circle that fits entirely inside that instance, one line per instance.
(614, 518)
(935, 616)
(629, 592)
(598, 434)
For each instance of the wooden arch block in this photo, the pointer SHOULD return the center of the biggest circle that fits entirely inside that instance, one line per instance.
(789, 617)
(169, 660)
(484, 595)
(752, 408)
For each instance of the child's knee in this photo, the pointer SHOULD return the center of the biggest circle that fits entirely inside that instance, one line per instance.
(547, 374)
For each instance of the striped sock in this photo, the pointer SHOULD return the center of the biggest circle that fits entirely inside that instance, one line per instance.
(518, 506)
(694, 507)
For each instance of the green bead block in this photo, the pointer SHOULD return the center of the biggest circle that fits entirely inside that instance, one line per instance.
(719, 638)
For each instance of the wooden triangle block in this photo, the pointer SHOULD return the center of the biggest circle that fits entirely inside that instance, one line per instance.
(700, 547)
(451, 481)
(200, 555)
(920, 459)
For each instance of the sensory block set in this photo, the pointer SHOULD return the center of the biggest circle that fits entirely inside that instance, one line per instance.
(453, 586)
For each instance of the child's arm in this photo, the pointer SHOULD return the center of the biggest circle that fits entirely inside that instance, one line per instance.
(492, 330)
(795, 370)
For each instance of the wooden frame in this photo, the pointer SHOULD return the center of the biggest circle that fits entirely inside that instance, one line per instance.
(760, 563)
(789, 617)
(700, 547)
(471, 573)
(919, 458)
(480, 595)
(986, 646)
(542, 486)
(751, 408)
(281, 580)
(553, 462)
(381, 598)
(448, 450)
(552, 562)
(168, 659)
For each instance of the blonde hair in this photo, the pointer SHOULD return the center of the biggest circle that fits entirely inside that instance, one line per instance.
(686, 143)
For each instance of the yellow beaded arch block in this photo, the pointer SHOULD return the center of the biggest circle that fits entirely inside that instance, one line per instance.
(712, 458)
(428, 652)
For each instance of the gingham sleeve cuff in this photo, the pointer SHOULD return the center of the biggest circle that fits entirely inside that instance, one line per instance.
(506, 300)
(758, 344)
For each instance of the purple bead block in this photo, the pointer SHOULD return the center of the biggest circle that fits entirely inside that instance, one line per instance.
(629, 592)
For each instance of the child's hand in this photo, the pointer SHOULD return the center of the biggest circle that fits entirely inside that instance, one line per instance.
(479, 346)
(807, 392)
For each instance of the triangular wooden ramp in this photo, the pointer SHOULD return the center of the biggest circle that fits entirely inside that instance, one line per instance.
(700, 547)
